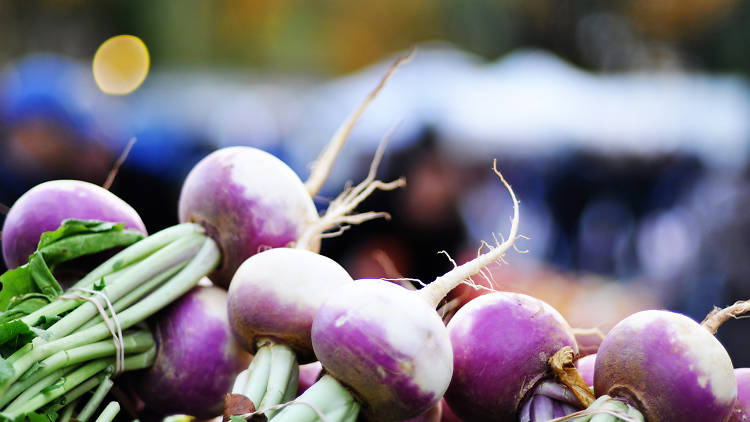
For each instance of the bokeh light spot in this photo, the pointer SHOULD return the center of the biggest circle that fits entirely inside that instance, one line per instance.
(121, 64)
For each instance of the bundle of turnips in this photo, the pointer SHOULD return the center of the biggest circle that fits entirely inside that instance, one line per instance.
(234, 313)
(61, 348)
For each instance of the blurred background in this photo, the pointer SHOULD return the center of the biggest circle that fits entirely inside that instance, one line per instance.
(623, 127)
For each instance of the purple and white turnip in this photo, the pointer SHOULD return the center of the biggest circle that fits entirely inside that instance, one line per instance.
(502, 343)
(192, 332)
(44, 207)
(667, 366)
(272, 301)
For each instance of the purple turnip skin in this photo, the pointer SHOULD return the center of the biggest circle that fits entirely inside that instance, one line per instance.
(501, 344)
(275, 294)
(248, 200)
(434, 414)
(193, 333)
(741, 411)
(46, 205)
(397, 362)
(308, 375)
(667, 366)
(585, 367)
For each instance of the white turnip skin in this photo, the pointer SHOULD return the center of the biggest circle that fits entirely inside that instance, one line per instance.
(741, 411)
(198, 357)
(46, 205)
(275, 295)
(248, 201)
(502, 343)
(667, 366)
(273, 299)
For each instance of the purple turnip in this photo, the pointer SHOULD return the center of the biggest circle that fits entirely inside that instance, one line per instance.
(585, 367)
(741, 411)
(502, 343)
(667, 366)
(273, 299)
(192, 332)
(250, 201)
(46, 205)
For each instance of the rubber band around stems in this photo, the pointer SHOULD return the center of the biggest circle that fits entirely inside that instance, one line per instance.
(115, 329)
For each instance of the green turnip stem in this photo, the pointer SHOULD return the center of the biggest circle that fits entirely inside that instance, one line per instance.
(136, 294)
(79, 381)
(71, 381)
(291, 388)
(321, 168)
(40, 385)
(434, 292)
(326, 396)
(124, 258)
(257, 376)
(96, 399)
(280, 377)
(79, 391)
(68, 411)
(203, 263)
(109, 412)
(154, 266)
(133, 343)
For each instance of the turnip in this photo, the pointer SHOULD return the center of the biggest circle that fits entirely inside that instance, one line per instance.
(585, 367)
(668, 367)
(45, 206)
(273, 298)
(384, 348)
(192, 332)
(65, 347)
(741, 411)
(308, 374)
(502, 343)
(249, 200)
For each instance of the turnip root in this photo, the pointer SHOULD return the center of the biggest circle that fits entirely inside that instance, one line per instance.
(273, 298)
(667, 366)
(44, 207)
(191, 333)
(502, 343)
(585, 366)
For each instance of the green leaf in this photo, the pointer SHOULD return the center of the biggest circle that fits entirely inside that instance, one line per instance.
(72, 239)
(100, 285)
(45, 322)
(84, 244)
(35, 367)
(51, 413)
(55, 385)
(72, 226)
(12, 329)
(15, 283)
(36, 417)
(42, 276)
(13, 335)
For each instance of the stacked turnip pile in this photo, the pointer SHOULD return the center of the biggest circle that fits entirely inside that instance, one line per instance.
(171, 319)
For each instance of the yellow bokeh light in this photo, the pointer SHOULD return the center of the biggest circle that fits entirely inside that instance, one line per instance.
(121, 64)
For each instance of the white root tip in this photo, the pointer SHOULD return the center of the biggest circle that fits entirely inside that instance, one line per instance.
(321, 167)
(439, 288)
